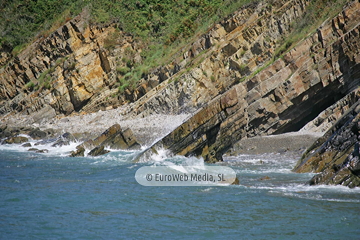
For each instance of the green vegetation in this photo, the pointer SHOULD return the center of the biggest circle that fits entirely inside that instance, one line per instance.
(29, 86)
(158, 22)
(22, 20)
(164, 27)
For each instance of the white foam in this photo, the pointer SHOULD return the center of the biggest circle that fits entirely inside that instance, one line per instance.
(206, 189)
(61, 151)
(318, 193)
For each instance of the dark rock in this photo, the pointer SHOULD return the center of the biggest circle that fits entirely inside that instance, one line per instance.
(64, 140)
(4, 132)
(46, 141)
(114, 138)
(264, 178)
(79, 152)
(107, 135)
(236, 181)
(98, 151)
(37, 134)
(16, 140)
(335, 157)
(68, 136)
(33, 149)
(42, 151)
(27, 145)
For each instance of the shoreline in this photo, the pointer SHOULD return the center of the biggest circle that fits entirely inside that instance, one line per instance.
(87, 126)
(149, 129)
(294, 142)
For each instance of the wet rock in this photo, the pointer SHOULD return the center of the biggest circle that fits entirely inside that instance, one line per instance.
(11, 131)
(33, 149)
(64, 140)
(37, 134)
(236, 181)
(80, 152)
(264, 178)
(26, 145)
(16, 140)
(98, 151)
(42, 151)
(335, 157)
(46, 141)
(114, 138)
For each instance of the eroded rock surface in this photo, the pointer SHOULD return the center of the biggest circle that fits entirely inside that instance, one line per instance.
(335, 156)
(281, 98)
(113, 138)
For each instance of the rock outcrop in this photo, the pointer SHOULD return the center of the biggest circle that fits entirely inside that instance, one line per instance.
(242, 78)
(284, 96)
(114, 138)
(66, 71)
(335, 156)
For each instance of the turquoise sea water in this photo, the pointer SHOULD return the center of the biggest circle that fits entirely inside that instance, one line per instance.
(50, 196)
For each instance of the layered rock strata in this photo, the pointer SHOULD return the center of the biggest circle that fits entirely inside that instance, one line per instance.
(283, 97)
(335, 156)
(114, 138)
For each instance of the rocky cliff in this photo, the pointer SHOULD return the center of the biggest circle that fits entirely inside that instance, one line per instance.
(250, 74)
(283, 97)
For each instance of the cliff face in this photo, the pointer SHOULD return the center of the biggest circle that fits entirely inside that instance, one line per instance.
(238, 80)
(335, 156)
(283, 97)
(225, 55)
(75, 68)
(71, 70)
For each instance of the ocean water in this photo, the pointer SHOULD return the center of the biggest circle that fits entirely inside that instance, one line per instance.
(51, 196)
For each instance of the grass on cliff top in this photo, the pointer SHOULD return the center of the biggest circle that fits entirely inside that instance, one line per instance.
(159, 22)
(163, 26)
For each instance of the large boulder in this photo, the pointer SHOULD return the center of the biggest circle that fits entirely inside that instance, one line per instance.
(38, 134)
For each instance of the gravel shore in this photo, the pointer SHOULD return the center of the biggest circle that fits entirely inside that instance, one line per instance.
(146, 129)
(151, 128)
(296, 142)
